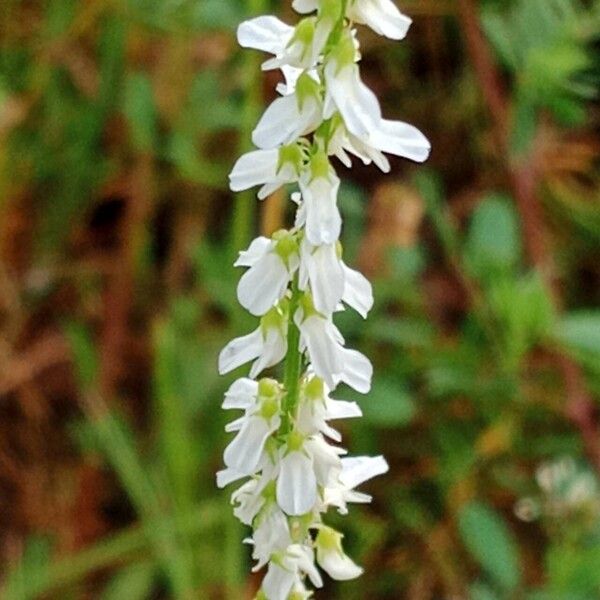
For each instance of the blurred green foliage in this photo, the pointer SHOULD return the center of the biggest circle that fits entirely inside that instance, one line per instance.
(143, 105)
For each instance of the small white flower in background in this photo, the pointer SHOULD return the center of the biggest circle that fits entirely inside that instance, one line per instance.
(284, 446)
(566, 490)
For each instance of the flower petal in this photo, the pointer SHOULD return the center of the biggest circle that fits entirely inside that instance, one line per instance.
(357, 370)
(254, 168)
(326, 276)
(263, 284)
(358, 469)
(278, 582)
(227, 476)
(266, 33)
(274, 349)
(296, 484)
(283, 122)
(323, 219)
(244, 452)
(357, 104)
(338, 565)
(240, 351)
(400, 139)
(341, 409)
(241, 394)
(358, 292)
(324, 351)
(257, 249)
(382, 16)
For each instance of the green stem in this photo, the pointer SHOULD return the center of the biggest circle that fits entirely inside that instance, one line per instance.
(293, 363)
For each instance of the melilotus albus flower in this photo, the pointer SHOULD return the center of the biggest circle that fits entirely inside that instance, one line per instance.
(283, 442)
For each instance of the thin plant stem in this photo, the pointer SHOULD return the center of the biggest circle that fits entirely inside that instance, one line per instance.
(293, 363)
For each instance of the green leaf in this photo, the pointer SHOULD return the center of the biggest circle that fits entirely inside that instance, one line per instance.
(173, 421)
(389, 404)
(525, 311)
(34, 561)
(580, 331)
(489, 541)
(84, 354)
(134, 583)
(493, 244)
(402, 332)
(480, 591)
(574, 571)
(139, 108)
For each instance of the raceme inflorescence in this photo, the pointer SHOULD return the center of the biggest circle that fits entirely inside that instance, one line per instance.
(284, 446)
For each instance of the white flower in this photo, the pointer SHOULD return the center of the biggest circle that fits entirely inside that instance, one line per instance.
(306, 463)
(399, 139)
(331, 556)
(346, 92)
(382, 16)
(272, 264)
(394, 137)
(292, 116)
(316, 408)
(297, 482)
(326, 459)
(271, 535)
(355, 470)
(321, 267)
(261, 419)
(319, 186)
(269, 34)
(248, 500)
(358, 292)
(270, 169)
(267, 344)
(303, 49)
(330, 360)
(367, 133)
(250, 497)
(287, 570)
(241, 394)
(331, 280)
(266, 33)
(284, 443)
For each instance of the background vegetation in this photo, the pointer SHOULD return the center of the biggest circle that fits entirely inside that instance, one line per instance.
(119, 121)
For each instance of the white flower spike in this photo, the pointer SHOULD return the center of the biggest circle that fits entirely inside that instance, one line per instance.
(295, 282)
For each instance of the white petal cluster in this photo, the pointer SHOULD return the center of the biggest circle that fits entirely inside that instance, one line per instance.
(284, 445)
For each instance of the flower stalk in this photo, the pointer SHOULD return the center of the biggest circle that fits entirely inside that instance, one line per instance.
(284, 446)
(293, 363)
